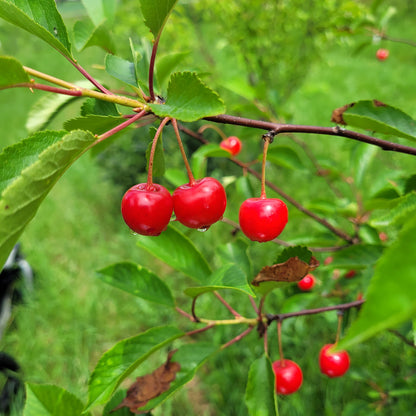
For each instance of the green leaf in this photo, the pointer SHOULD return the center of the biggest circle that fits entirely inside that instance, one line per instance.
(380, 119)
(358, 256)
(178, 251)
(123, 358)
(303, 253)
(137, 281)
(260, 397)
(121, 69)
(391, 295)
(229, 276)
(284, 156)
(189, 99)
(198, 160)
(28, 171)
(236, 253)
(98, 107)
(176, 177)
(87, 35)
(11, 72)
(156, 13)
(100, 10)
(49, 400)
(96, 124)
(159, 156)
(405, 208)
(361, 157)
(40, 18)
(166, 64)
(190, 357)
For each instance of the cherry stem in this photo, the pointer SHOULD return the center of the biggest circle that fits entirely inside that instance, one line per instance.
(196, 319)
(237, 338)
(227, 305)
(153, 150)
(340, 316)
(340, 233)
(152, 68)
(120, 127)
(185, 160)
(279, 338)
(253, 303)
(213, 127)
(267, 141)
(266, 344)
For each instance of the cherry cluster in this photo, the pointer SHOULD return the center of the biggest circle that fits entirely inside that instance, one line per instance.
(147, 208)
(289, 376)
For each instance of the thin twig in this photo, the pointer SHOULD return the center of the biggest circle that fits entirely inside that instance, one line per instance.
(282, 316)
(198, 331)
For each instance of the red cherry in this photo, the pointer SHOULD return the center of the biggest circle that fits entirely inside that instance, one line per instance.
(263, 219)
(288, 376)
(307, 283)
(232, 144)
(350, 274)
(147, 209)
(333, 364)
(382, 54)
(201, 204)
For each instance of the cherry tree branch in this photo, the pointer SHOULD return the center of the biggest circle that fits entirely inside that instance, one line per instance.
(276, 128)
(281, 316)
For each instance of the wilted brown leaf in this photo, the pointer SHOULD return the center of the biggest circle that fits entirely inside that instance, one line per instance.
(150, 386)
(290, 271)
(338, 112)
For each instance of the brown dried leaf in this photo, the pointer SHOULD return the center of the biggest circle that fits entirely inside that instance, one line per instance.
(290, 271)
(149, 386)
(338, 112)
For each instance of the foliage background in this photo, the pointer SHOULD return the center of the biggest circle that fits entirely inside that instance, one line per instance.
(280, 69)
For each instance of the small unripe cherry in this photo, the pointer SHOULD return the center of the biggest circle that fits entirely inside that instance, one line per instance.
(147, 209)
(350, 274)
(263, 219)
(333, 364)
(382, 54)
(232, 144)
(307, 283)
(288, 376)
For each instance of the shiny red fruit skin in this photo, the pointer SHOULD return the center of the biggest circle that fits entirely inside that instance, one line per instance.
(147, 210)
(263, 219)
(307, 283)
(232, 144)
(199, 205)
(382, 54)
(333, 364)
(288, 376)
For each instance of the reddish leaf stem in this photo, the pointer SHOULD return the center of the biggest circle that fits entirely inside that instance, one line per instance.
(227, 305)
(185, 314)
(121, 126)
(49, 88)
(238, 337)
(198, 331)
(90, 78)
(152, 69)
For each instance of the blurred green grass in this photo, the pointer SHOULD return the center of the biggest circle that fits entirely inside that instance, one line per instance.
(71, 318)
